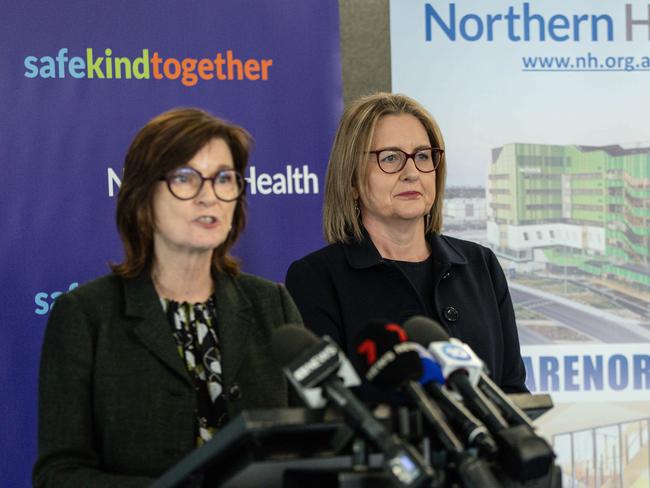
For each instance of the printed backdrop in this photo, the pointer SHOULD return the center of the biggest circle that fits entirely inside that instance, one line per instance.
(544, 109)
(78, 80)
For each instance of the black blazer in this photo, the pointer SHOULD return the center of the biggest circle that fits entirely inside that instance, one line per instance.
(341, 287)
(116, 403)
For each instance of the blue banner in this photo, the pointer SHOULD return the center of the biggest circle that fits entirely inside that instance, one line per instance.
(79, 81)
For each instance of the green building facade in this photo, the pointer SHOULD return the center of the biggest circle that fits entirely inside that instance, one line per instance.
(584, 207)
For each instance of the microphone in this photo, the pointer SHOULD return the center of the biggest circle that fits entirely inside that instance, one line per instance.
(510, 410)
(391, 362)
(461, 368)
(311, 363)
(473, 432)
(523, 454)
(324, 359)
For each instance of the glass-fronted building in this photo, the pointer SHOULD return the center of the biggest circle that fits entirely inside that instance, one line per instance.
(613, 455)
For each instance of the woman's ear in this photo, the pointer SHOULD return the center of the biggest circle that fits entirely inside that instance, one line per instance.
(355, 193)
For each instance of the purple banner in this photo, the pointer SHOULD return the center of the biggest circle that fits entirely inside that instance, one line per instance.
(79, 81)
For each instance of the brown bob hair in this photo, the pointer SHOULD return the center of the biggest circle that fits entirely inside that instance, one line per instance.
(166, 142)
(348, 162)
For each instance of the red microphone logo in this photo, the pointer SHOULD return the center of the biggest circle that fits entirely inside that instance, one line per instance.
(368, 347)
(401, 333)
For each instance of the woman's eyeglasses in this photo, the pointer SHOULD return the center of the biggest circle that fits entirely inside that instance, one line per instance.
(393, 160)
(186, 183)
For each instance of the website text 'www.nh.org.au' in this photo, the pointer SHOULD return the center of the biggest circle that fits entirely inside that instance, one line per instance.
(588, 62)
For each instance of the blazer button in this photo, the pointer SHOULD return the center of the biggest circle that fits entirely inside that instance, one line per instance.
(451, 314)
(223, 420)
(234, 392)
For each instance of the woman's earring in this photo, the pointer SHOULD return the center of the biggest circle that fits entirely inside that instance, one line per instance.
(357, 210)
(427, 222)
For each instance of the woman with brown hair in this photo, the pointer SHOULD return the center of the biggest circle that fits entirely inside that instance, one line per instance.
(386, 257)
(141, 366)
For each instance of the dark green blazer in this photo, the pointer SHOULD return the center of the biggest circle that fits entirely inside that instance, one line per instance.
(116, 403)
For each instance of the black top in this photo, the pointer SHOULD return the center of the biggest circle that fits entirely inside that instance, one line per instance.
(342, 287)
(420, 274)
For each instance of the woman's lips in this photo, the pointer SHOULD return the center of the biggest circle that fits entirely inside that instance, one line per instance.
(207, 221)
(409, 195)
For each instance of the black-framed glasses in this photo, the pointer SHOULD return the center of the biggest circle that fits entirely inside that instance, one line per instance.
(393, 160)
(186, 183)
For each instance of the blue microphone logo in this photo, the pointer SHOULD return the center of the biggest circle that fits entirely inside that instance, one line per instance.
(456, 352)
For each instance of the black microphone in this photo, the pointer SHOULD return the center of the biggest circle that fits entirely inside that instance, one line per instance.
(513, 414)
(310, 362)
(391, 363)
(523, 454)
(472, 431)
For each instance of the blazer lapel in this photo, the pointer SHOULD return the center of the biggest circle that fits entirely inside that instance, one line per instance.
(153, 330)
(234, 322)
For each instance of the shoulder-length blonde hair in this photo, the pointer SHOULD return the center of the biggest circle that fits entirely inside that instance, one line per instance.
(348, 162)
(166, 142)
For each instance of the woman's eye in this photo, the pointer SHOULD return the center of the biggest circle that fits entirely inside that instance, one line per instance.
(225, 178)
(180, 178)
(184, 178)
(389, 158)
(423, 156)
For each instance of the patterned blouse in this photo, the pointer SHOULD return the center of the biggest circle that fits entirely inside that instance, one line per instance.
(194, 327)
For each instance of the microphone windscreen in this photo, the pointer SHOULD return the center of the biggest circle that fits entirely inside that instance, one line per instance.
(424, 330)
(387, 359)
(289, 341)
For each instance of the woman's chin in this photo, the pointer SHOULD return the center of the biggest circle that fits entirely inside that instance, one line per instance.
(414, 217)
